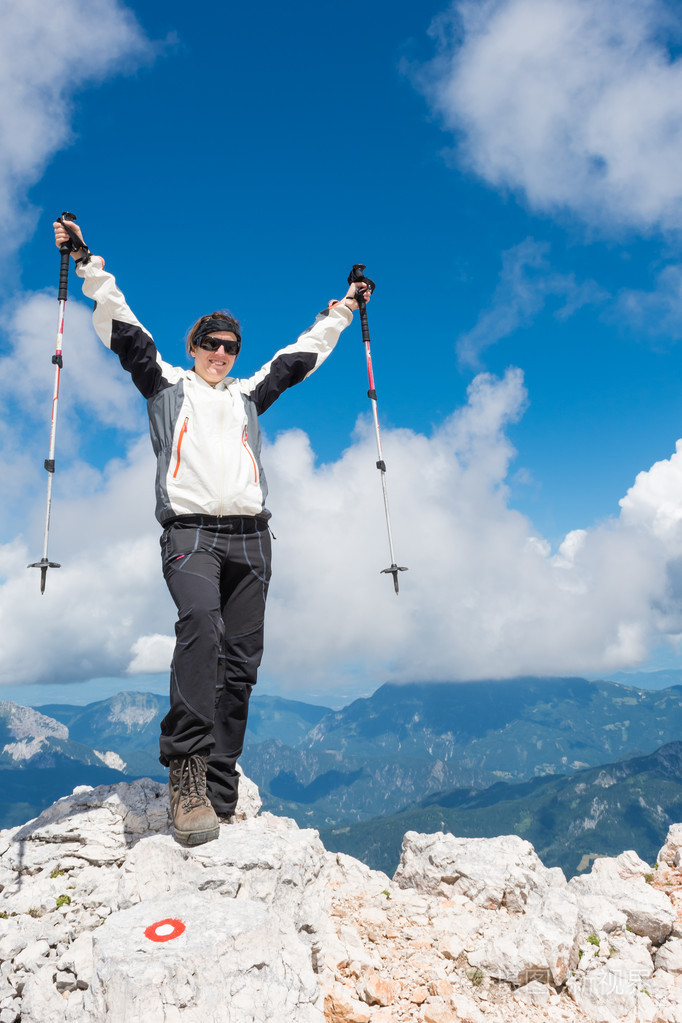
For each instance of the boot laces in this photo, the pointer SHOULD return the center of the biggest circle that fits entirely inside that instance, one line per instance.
(192, 782)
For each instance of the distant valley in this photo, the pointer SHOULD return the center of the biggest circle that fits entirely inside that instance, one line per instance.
(569, 820)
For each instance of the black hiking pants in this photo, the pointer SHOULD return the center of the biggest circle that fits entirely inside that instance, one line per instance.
(217, 571)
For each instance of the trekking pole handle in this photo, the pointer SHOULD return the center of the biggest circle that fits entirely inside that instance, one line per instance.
(65, 250)
(357, 276)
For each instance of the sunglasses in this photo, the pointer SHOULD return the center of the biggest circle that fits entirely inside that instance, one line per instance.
(212, 344)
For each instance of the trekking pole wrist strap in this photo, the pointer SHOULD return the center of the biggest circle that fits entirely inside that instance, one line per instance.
(76, 244)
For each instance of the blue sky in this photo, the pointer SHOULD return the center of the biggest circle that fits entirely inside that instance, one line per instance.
(508, 171)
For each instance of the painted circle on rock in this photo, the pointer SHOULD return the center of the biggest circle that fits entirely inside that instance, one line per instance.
(165, 930)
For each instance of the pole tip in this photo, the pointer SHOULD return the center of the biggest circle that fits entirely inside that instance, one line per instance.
(393, 570)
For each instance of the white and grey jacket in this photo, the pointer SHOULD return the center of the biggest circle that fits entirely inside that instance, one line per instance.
(206, 439)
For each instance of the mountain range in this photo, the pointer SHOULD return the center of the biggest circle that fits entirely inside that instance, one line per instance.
(404, 743)
(569, 819)
(478, 756)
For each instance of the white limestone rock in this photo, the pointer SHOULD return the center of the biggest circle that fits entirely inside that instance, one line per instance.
(95, 826)
(249, 802)
(33, 893)
(7, 990)
(264, 858)
(317, 923)
(633, 953)
(449, 944)
(671, 851)
(15, 934)
(613, 993)
(669, 956)
(491, 872)
(77, 958)
(41, 1002)
(620, 880)
(669, 1006)
(533, 993)
(458, 925)
(271, 862)
(31, 957)
(627, 865)
(541, 945)
(348, 952)
(156, 866)
(465, 1009)
(599, 914)
(613, 978)
(233, 962)
(98, 891)
(6, 837)
(345, 870)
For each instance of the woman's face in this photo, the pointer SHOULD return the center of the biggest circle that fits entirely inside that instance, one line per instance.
(214, 366)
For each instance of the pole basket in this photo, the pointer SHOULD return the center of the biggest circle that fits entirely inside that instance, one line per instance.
(43, 565)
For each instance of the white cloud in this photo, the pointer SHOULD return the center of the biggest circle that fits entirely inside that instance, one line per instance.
(527, 283)
(151, 654)
(92, 394)
(654, 503)
(484, 595)
(108, 592)
(48, 52)
(657, 312)
(575, 104)
(91, 379)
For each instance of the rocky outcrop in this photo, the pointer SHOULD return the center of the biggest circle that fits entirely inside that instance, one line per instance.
(103, 917)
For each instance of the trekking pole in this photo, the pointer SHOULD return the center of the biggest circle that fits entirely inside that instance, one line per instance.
(65, 250)
(356, 276)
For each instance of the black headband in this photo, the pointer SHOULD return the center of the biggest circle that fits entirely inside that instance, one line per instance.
(221, 323)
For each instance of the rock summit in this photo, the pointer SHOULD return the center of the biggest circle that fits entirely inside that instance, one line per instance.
(104, 917)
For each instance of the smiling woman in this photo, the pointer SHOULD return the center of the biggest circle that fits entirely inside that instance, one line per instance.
(215, 545)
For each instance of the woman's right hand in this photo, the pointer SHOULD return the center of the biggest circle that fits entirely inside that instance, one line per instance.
(61, 236)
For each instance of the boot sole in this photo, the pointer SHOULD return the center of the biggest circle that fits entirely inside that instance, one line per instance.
(196, 837)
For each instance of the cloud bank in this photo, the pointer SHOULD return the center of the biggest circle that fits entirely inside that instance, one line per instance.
(48, 52)
(574, 104)
(484, 595)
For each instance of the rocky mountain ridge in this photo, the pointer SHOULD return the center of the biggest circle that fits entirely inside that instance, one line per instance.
(29, 737)
(538, 725)
(103, 917)
(24, 732)
(406, 742)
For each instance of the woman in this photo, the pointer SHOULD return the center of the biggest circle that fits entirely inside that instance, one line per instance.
(215, 545)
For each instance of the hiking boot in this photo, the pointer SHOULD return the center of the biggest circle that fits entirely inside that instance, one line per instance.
(194, 819)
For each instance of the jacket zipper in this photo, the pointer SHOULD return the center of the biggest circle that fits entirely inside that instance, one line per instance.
(221, 434)
(245, 438)
(183, 431)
